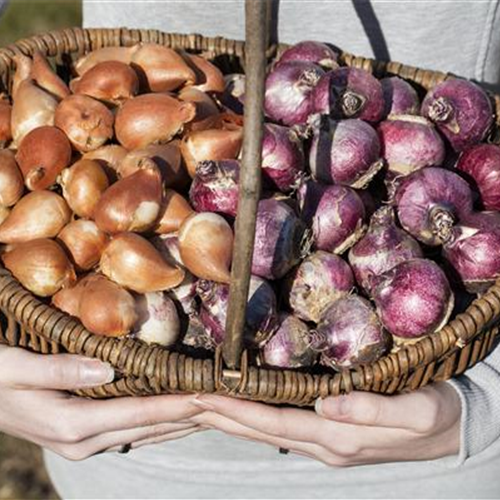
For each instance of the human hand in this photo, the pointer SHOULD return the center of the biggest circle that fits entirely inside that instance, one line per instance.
(359, 428)
(35, 407)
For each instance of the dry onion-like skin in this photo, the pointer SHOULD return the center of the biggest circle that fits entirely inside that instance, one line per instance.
(39, 214)
(41, 266)
(45, 77)
(4, 213)
(160, 69)
(105, 308)
(5, 119)
(206, 246)
(83, 184)
(87, 122)
(134, 263)
(206, 109)
(175, 210)
(104, 54)
(32, 107)
(158, 321)
(23, 72)
(84, 242)
(132, 203)
(209, 78)
(167, 158)
(110, 81)
(42, 155)
(110, 158)
(11, 179)
(151, 119)
(68, 299)
(211, 144)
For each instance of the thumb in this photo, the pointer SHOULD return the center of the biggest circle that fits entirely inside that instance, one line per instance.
(420, 410)
(23, 369)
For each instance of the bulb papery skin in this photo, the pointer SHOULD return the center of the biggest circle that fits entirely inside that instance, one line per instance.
(317, 282)
(185, 294)
(261, 314)
(134, 263)
(215, 187)
(88, 123)
(167, 158)
(39, 214)
(210, 145)
(5, 123)
(413, 298)
(400, 97)
(132, 203)
(41, 266)
(151, 119)
(83, 184)
(84, 243)
(110, 81)
(33, 107)
(474, 250)
(289, 89)
(461, 110)
(158, 321)
(349, 93)
(11, 179)
(206, 246)
(430, 201)
(335, 213)
(409, 143)
(282, 157)
(382, 247)
(350, 334)
(311, 51)
(345, 152)
(482, 164)
(105, 308)
(42, 155)
(290, 345)
(278, 236)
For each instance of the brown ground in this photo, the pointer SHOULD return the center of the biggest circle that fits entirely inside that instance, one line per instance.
(22, 474)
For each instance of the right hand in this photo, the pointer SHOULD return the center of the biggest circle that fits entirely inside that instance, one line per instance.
(34, 406)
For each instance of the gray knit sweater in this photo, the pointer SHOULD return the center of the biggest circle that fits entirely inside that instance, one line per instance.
(458, 36)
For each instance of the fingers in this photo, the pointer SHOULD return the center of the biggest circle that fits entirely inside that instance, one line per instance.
(111, 441)
(23, 369)
(170, 436)
(420, 411)
(229, 426)
(287, 423)
(93, 417)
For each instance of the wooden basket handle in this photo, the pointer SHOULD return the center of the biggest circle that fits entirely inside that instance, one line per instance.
(256, 26)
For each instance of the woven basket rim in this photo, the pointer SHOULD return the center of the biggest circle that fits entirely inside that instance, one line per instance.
(56, 326)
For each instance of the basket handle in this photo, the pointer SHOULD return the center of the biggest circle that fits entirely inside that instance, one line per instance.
(256, 26)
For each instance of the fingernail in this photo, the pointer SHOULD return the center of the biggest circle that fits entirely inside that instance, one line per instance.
(95, 372)
(201, 404)
(336, 407)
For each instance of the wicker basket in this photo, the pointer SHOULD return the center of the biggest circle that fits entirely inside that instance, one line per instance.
(30, 323)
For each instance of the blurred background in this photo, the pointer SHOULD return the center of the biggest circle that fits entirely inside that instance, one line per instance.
(22, 475)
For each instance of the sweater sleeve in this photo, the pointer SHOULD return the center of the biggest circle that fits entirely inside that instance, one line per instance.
(479, 392)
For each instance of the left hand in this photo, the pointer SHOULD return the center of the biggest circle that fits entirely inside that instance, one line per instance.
(359, 428)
